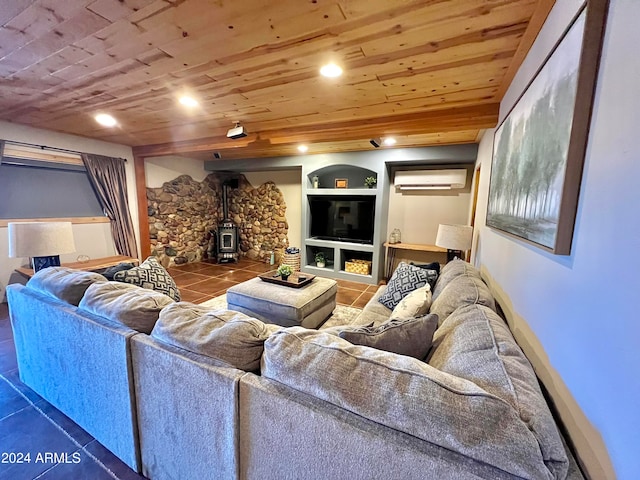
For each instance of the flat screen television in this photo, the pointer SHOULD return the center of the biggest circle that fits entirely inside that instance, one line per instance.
(345, 219)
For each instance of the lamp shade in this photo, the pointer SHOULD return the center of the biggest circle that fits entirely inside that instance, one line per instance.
(40, 239)
(454, 237)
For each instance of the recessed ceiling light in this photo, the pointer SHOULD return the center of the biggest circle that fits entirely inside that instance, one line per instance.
(188, 101)
(105, 120)
(302, 148)
(389, 141)
(331, 70)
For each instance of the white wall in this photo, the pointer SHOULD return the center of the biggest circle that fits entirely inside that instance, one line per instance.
(290, 184)
(576, 315)
(159, 170)
(418, 213)
(93, 240)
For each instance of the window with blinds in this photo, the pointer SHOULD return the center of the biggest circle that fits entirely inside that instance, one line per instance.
(40, 183)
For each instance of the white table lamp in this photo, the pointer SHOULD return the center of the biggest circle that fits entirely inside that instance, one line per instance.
(455, 238)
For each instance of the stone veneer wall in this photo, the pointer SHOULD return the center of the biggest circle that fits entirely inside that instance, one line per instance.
(183, 212)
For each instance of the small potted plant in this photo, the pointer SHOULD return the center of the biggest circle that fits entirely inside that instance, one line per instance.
(320, 260)
(370, 182)
(284, 271)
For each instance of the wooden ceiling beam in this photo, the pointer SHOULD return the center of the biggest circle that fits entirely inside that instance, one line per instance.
(456, 119)
(432, 121)
(200, 145)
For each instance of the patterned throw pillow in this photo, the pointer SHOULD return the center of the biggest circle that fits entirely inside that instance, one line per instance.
(433, 269)
(411, 337)
(404, 280)
(150, 274)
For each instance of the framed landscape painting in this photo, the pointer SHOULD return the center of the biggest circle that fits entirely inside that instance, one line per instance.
(539, 148)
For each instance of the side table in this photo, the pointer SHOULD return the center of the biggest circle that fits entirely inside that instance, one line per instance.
(88, 266)
(391, 253)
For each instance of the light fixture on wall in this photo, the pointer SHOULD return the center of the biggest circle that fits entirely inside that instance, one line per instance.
(44, 242)
(455, 238)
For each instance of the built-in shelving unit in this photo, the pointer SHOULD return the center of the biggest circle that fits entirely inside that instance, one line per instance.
(354, 167)
(323, 181)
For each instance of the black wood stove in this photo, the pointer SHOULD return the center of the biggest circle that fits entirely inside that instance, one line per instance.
(227, 235)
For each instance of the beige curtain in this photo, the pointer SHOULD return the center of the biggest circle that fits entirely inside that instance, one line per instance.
(108, 179)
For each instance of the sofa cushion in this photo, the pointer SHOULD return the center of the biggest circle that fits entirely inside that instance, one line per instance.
(461, 291)
(232, 337)
(411, 336)
(405, 279)
(451, 270)
(474, 343)
(150, 274)
(136, 307)
(374, 311)
(416, 304)
(404, 394)
(64, 283)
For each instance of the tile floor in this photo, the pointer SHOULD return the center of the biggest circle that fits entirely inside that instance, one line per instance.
(30, 424)
(202, 281)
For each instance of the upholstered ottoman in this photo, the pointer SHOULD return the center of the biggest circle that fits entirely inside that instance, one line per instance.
(308, 306)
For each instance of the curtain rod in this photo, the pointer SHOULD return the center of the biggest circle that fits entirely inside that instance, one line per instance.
(55, 149)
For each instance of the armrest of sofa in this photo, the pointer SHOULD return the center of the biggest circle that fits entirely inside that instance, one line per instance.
(288, 434)
(80, 363)
(187, 407)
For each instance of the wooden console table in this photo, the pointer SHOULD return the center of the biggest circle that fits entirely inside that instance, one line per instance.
(391, 253)
(89, 265)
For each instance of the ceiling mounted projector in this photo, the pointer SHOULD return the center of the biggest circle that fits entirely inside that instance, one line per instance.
(237, 132)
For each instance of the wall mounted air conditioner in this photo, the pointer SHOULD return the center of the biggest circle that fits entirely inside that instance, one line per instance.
(430, 179)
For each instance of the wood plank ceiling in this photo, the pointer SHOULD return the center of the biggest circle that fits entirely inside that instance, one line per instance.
(424, 71)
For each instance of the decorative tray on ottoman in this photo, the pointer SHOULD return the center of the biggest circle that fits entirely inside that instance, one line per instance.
(295, 280)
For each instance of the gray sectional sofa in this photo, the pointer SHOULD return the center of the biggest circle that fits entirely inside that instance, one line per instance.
(218, 394)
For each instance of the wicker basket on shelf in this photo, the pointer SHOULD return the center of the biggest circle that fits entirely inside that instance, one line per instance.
(293, 260)
(362, 267)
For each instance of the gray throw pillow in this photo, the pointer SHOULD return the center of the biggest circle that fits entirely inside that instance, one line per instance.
(150, 274)
(410, 337)
(404, 280)
(64, 283)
